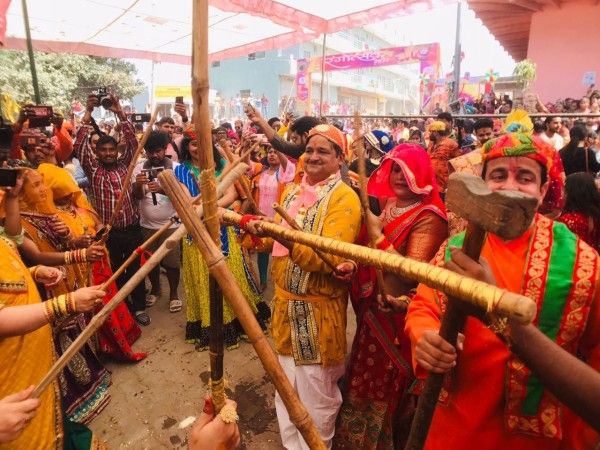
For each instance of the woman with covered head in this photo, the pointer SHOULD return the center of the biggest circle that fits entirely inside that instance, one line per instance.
(84, 382)
(412, 223)
(120, 330)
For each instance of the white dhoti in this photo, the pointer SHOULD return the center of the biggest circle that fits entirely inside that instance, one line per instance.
(318, 390)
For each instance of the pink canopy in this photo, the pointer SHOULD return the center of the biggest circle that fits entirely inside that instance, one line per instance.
(161, 29)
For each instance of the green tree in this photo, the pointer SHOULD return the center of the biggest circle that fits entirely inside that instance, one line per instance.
(64, 78)
(526, 71)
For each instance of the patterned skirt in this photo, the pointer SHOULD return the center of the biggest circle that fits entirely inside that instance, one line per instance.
(84, 381)
(195, 279)
(377, 408)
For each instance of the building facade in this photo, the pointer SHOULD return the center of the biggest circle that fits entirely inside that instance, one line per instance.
(267, 80)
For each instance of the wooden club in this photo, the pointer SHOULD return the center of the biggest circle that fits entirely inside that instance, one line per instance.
(507, 214)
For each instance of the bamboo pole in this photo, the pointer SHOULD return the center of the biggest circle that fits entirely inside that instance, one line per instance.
(292, 223)
(97, 320)
(127, 288)
(487, 297)
(243, 181)
(132, 164)
(364, 200)
(218, 268)
(202, 125)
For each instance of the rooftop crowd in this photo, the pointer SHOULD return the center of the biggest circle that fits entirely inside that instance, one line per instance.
(57, 254)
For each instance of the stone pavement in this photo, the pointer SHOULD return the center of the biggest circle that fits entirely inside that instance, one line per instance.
(152, 398)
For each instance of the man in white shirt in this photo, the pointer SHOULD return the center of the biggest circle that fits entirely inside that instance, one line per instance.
(551, 134)
(156, 210)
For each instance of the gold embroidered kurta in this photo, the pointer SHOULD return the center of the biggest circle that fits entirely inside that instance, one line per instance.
(309, 306)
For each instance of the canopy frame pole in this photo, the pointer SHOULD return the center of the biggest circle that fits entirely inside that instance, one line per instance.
(457, 53)
(34, 78)
(322, 74)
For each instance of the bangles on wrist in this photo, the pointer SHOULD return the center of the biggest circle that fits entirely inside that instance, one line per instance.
(75, 256)
(60, 307)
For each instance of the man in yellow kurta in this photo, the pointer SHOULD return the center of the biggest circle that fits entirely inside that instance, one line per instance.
(309, 307)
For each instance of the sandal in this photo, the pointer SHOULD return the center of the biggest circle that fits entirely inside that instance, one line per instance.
(150, 300)
(175, 305)
(142, 318)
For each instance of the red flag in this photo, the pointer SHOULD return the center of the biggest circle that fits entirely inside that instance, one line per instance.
(4, 4)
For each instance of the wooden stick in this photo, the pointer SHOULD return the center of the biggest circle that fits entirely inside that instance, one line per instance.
(243, 181)
(218, 267)
(364, 199)
(98, 319)
(292, 223)
(132, 164)
(158, 233)
(485, 296)
(123, 293)
(237, 161)
(200, 94)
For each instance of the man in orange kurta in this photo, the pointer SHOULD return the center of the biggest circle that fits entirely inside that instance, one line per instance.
(492, 400)
(441, 150)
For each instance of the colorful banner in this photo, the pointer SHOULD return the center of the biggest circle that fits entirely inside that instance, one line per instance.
(4, 4)
(170, 92)
(302, 80)
(428, 55)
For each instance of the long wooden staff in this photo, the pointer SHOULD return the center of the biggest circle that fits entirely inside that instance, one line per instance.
(364, 199)
(243, 181)
(485, 296)
(98, 319)
(132, 164)
(237, 161)
(200, 94)
(292, 223)
(215, 261)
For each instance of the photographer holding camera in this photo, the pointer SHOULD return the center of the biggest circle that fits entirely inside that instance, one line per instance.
(106, 172)
(156, 210)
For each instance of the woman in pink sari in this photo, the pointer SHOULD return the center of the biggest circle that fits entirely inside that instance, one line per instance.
(412, 223)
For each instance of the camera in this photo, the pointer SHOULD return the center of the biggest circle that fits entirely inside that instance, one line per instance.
(103, 97)
(37, 115)
(152, 173)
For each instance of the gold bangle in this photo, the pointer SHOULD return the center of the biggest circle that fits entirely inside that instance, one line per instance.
(48, 311)
(34, 272)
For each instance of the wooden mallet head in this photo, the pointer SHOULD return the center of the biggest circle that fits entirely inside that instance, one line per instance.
(507, 214)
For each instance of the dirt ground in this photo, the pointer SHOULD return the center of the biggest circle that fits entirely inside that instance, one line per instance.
(152, 399)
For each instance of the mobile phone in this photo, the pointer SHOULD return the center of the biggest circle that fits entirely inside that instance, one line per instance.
(140, 118)
(179, 99)
(374, 205)
(100, 234)
(29, 140)
(8, 177)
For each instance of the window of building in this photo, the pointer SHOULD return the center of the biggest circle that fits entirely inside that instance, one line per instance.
(256, 55)
(215, 64)
(306, 54)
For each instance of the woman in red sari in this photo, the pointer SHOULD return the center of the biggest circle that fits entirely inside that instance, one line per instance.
(581, 213)
(377, 408)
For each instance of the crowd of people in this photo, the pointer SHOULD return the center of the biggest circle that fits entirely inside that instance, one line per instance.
(72, 219)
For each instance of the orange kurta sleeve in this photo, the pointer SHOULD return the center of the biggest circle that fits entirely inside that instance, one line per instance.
(424, 313)
(65, 142)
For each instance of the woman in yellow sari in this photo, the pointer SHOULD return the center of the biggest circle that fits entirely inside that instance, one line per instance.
(120, 330)
(84, 382)
(26, 349)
